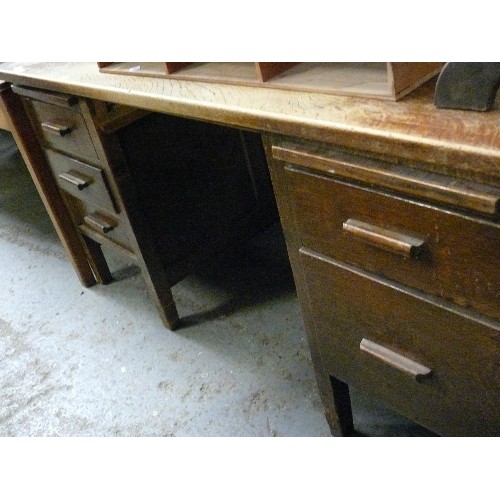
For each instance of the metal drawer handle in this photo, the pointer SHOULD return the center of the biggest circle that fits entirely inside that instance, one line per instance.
(75, 179)
(415, 370)
(100, 222)
(392, 241)
(56, 128)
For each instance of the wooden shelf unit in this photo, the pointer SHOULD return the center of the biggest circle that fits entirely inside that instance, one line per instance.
(381, 80)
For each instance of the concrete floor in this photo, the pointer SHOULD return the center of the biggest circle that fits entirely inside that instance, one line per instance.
(98, 362)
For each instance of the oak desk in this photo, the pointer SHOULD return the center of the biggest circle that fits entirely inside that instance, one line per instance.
(390, 211)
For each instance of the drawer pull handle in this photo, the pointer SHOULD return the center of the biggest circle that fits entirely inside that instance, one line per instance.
(415, 370)
(100, 222)
(75, 179)
(392, 241)
(56, 129)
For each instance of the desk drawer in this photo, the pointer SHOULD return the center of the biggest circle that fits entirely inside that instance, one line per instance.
(64, 129)
(436, 251)
(83, 181)
(98, 224)
(382, 338)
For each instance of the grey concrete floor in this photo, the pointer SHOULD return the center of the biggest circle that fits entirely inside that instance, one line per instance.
(98, 362)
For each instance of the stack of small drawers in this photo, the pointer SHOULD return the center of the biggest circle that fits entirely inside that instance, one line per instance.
(78, 170)
(167, 193)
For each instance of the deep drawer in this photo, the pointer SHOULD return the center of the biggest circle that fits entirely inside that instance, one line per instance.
(382, 338)
(63, 129)
(84, 181)
(436, 251)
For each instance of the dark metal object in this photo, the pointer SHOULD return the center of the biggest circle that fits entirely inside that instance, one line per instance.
(464, 85)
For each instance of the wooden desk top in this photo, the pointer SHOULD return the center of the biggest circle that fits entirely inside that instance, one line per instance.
(4, 121)
(464, 142)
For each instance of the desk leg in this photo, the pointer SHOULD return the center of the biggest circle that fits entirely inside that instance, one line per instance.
(42, 177)
(166, 307)
(334, 393)
(98, 261)
(339, 412)
(158, 286)
(143, 245)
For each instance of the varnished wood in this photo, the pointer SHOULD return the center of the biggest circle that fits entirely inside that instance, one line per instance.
(382, 80)
(392, 241)
(456, 142)
(98, 261)
(81, 209)
(119, 117)
(97, 189)
(427, 185)
(75, 179)
(268, 70)
(35, 161)
(462, 348)
(102, 239)
(345, 304)
(338, 410)
(337, 404)
(4, 122)
(459, 260)
(173, 235)
(100, 222)
(404, 77)
(415, 370)
(438, 308)
(138, 234)
(4, 115)
(55, 98)
(149, 69)
(56, 128)
(172, 67)
(77, 143)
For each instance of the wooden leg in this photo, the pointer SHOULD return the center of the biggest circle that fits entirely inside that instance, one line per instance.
(157, 284)
(166, 307)
(40, 172)
(97, 261)
(339, 413)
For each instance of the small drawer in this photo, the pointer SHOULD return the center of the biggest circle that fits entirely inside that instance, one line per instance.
(81, 180)
(64, 129)
(442, 253)
(104, 228)
(98, 224)
(426, 359)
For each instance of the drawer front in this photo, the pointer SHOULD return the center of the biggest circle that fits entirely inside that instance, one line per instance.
(441, 253)
(98, 224)
(64, 129)
(84, 181)
(427, 360)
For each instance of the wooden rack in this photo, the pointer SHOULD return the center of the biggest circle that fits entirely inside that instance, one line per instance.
(389, 81)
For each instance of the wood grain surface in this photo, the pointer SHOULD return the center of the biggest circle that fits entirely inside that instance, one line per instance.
(411, 128)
